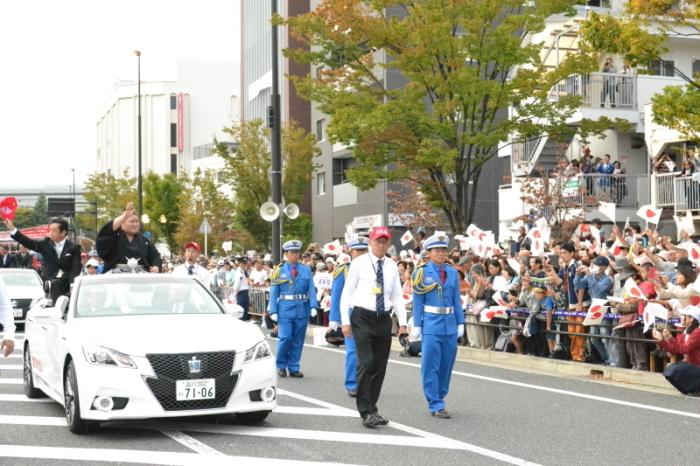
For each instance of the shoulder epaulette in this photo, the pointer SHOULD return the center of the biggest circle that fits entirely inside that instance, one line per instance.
(274, 275)
(417, 281)
(342, 268)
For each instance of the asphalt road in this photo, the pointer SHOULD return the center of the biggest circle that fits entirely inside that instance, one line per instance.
(499, 416)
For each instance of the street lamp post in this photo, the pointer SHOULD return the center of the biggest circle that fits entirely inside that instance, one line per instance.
(274, 121)
(140, 181)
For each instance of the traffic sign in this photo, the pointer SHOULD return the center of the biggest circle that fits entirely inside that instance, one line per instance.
(205, 228)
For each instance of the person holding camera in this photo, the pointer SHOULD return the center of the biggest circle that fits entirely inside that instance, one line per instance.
(684, 375)
(439, 318)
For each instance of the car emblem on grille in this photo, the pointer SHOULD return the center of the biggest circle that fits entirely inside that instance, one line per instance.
(195, 365)
(14, 303)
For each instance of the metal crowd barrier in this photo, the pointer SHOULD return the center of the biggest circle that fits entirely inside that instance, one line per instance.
(258, 301)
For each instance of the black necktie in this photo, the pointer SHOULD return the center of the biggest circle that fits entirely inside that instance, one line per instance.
(190, 270)
(380, 283)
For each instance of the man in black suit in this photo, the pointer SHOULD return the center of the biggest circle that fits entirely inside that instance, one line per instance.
(24, 258)
(61, 256)
(7, 260)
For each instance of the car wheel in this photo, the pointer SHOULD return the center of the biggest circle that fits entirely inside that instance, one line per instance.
(72, 403)
(254, 417)
(28, 378)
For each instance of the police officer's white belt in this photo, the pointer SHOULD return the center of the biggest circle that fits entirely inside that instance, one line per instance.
(294, 297)
(438, 310)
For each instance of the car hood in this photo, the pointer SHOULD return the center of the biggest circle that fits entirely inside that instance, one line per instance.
(25, 292)
(139, 335)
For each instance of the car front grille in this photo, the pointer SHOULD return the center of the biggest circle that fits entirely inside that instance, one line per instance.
(169, 368)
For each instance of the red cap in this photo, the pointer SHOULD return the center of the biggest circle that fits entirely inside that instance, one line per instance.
(193, 245)
(380, 232)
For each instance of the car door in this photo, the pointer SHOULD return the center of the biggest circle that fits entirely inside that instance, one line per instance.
(53, 327)
(35, 330)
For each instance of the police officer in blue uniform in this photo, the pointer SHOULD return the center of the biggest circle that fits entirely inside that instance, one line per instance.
(437, 317)
(357, 247)
(292, 300)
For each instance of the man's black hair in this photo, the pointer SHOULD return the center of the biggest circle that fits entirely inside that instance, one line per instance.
(61, 222)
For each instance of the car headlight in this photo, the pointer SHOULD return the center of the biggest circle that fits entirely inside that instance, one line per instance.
(259, 351)
(108, 357)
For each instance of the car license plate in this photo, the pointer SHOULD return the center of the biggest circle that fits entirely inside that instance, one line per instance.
(18, 312)
(197, 389)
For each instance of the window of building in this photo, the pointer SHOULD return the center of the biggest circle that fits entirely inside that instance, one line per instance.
(173, 163)
(599, 3)
(696, 67)
(321, 183)
(340, 168)
(319, 129)
(173, 102)
(319, 72)
(662, 68)
(173, 134)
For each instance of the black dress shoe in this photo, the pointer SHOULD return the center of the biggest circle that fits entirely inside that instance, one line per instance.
(296, 375)
(371, 421)
(281, 372)
(441, 414)
(352, 393)
(382, 421)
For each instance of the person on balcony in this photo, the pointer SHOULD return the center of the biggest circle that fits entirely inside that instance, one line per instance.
(608, 83)
(605, 168)
(619, 182)
(664, 164)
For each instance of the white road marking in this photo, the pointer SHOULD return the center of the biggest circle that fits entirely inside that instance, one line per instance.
(32, 420)
(11, 367)
(4, 381)
(22, 398)
(191, 443)
(143, 456)
(15, 356)
(558, 391)
(312, 411)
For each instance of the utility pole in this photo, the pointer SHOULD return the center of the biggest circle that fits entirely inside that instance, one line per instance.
(274, 122)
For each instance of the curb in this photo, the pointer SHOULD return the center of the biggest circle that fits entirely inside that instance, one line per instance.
(627, 378)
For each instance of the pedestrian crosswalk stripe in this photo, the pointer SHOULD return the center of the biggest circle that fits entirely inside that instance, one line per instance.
(191, 443)
(32, 420)
(4, 381)
(11, 367)
(22, 398)
(314, 411)
(144, 456)
(15, 356)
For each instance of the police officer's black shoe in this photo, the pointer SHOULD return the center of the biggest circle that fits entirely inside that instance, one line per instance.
(296, 375)
(281, 372)
(352, 393)
(371, 421)
(382, 421)
(441, 414)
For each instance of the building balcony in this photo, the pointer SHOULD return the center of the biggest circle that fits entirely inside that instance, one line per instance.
(676, 193)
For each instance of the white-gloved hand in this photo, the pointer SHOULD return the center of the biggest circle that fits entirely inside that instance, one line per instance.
(415, 333)
(333, 325)
(273, 317)
(460, 331)
(313, 312)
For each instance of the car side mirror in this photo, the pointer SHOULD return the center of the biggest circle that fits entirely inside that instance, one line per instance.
(62, 305)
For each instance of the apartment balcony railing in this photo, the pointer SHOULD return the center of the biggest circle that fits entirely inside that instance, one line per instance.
(626, 191)
(611, 90)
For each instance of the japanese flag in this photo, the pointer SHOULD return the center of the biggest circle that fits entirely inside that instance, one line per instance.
(343, 259)
(631, 290)
(536, 242)
(473, 231)
(414, 257)
(596, 312)
(618, 249)
(595, 235)
(493, 312)
(650, 214)
(463, 244)
(498, 297)
(333, 248)
(693, 251)
(686, 223)
(406, 238)
(407, 297)
(607, 209)
(651, 312)
(515, 265)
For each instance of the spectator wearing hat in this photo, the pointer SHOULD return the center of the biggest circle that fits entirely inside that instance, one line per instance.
(191, 266)
(292, 301)
(83, 261)
(372, 290)
(438, 318)
(357, 247)
(684, 375)
(240, 288)
(91, 267)
(599, 286)
(120, 240)
(322, 282)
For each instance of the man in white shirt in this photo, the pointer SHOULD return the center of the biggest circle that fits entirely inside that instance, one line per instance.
(240, 287)
(372, 289)
(191, 267)
(7, 320)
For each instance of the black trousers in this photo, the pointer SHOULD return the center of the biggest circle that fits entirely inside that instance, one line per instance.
(243, 300)
(684, 376)
(372, 333)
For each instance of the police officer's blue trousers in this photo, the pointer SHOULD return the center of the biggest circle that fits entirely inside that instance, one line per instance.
(437, 360)
(350, 364)
(291, 334)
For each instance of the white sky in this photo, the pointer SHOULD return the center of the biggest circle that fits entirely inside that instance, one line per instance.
(61, 58)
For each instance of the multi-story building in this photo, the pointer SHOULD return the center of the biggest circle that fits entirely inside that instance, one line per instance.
(179, 119)
(623, 94)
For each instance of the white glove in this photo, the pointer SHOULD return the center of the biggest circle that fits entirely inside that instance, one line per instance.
(333, 325)
(273, 317)
(460, 331)
(313, 312)
(415, 333)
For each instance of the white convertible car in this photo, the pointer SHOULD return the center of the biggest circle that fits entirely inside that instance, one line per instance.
(25, 289)
(136, 346)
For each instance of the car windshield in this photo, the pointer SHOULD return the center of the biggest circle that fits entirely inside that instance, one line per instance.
(20, 279)
(132, 298)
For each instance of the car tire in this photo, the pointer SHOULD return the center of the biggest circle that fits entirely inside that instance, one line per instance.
(72, 403)
(254, 417)
(30, 391)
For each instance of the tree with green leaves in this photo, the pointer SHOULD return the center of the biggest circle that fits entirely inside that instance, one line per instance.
(247, 169)
(110, 193)
(640, 36)
(465, 65)
(40, 212)
(163, 201)
(24, 218)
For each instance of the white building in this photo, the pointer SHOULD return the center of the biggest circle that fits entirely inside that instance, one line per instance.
(627, 97)
(179, 119)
